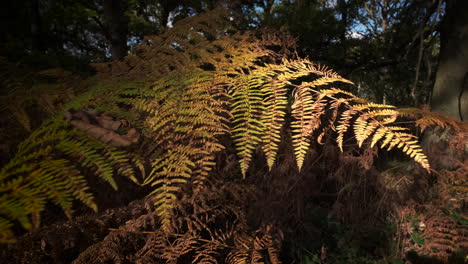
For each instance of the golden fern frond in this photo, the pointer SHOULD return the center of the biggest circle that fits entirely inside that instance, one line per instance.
(369, 119)
(407, 142)
(323, 81)
(258, 109)
(187, 44)
(188, 127)
(300, 66)
(363, 128)
(184, 127)
(344, 124)
(307, 110)
(274, 91)
(424, 118)
(302, 126)
(368, 105)
(375, 122)
(251, 94)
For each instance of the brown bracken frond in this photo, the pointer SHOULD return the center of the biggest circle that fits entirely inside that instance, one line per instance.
(424, 118)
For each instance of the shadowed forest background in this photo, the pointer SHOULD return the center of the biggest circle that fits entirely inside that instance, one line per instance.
(243, 131)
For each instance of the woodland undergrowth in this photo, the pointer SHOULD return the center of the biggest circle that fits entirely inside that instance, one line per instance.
(251, 154)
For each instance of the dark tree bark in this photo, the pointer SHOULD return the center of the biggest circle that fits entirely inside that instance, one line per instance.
(450, 93)
(37, 43)
(343, 11)
(117, 26)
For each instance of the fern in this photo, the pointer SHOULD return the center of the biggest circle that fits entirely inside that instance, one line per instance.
(202, 231)
(275, 98)
(23, 88)
(424, 118)
(303, 123)
(310, 105)
(184, 126)
(46, 167)
(247, 110)
(183, 91)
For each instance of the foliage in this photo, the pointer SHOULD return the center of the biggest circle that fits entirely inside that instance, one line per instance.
(432, 234)
(183, 92)
(23, 89)
(202, 231)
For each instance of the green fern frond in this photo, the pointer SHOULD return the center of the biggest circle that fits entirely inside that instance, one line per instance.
(169, 172)
(247, 111)
(6, 235)
(275, 101)
(88, 152)
(11, 207)
(46, 168)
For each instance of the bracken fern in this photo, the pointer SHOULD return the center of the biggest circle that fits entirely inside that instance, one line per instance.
(183, 91)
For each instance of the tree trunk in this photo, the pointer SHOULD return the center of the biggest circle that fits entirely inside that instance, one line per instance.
(117, 26)
(37, 43)
(343, 11)
(450, 95)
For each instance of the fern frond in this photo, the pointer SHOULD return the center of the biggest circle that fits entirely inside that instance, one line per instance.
(184, 127)
(363, 128)
(254, 249)
(407, 142)
(47, 168)
(88, 152)
(168, 173)
(344, 124)
(247, 111)
(425, 118)
(389, 135)
(12, 208)
(6, 235)
(372, 119)
(302, 124)
(23, 88)
(369, 105)
(207, 256)
(275, 102)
